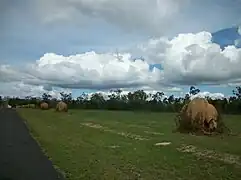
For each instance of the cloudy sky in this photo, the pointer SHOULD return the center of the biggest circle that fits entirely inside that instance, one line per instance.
(163, 45)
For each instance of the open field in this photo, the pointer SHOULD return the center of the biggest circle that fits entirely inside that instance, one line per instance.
(121, 145)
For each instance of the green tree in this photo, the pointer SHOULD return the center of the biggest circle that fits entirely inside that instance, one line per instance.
(66, 97)
(193, 90)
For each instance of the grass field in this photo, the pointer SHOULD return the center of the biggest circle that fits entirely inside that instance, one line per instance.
(110, 145)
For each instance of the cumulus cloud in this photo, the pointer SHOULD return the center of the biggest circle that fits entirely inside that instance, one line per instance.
(153, 51)
(193, 59)
(237, 42)
(88, 70)
(208, 94)
(187, 59)
(239, 29)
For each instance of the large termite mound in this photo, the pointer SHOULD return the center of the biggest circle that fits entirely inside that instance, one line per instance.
(44, 106)
(198, 116)
(61, 107)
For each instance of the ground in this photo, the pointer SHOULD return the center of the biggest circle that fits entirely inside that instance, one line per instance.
(20, 156)
(89, 144)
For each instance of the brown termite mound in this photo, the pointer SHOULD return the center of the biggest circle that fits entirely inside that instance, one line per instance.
(44, 106)
(198, 116)
(61, 107)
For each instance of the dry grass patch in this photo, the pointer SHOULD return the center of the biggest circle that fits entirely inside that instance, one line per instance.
(163, 144)
(124, 134)
(153, 133)
(138, 126)
(205, 153)
(114, 146)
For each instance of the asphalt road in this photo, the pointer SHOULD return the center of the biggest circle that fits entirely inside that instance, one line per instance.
(20, 156)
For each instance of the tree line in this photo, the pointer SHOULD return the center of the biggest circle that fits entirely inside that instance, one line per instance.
(137, 100)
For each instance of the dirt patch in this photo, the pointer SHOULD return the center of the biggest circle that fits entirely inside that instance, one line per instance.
(224, 157)
(153, 133)
(106, 129)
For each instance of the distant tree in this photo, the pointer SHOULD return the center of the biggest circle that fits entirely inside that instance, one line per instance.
(97, 101)
(1, 101)
(46, 97)
(171, 99)
(67, 98)
(115, 100)
(193, 90)
(157, 97)
(137, 100)
(186, 98)
(237, 92)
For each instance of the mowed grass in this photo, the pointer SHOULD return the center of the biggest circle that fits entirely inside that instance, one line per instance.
(89, 144)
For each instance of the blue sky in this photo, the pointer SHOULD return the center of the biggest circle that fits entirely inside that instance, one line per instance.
(71, 29)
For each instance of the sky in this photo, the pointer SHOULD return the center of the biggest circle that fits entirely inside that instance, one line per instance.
(50, 46)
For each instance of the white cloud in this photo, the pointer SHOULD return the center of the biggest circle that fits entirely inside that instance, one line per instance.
(149, 91)
(193, 59)
(186, 59)
(128, 14)
(208, 94)
(239, 29)
(19, 89)
(155, 17)
(88, 70)
(237, 42)
(153, 51)
(204, 94)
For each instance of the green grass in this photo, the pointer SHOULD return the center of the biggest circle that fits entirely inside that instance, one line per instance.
(84, 152)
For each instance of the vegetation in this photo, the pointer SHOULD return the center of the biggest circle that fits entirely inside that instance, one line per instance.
(138, 100)
(91, 144)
